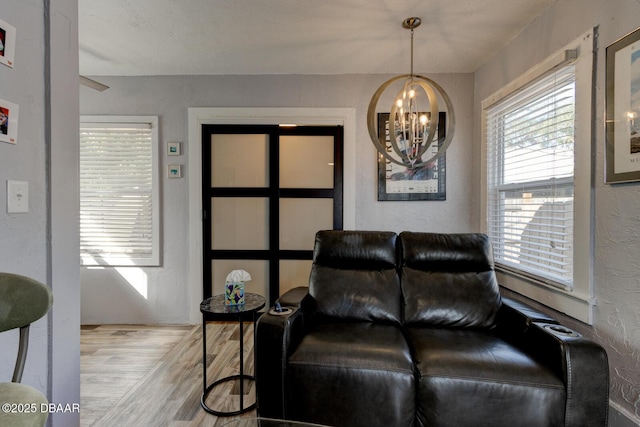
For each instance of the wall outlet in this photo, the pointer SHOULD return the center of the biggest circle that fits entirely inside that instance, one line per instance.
(17, 197)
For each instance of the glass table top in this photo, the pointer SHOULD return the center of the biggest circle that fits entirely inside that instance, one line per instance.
(216, 305)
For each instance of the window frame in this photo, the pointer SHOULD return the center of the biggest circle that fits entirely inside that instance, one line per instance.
(155, 259)
(579, 300)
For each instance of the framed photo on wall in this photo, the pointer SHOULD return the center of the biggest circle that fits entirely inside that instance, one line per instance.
(174, 171)
(8, 122)
(396, 182)
(623, 110)
(7, 43)
(173, 149)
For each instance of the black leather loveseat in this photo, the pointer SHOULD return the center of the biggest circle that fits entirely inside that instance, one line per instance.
(411, 330)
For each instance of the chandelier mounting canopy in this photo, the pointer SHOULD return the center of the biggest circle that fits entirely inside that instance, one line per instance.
(411, 23)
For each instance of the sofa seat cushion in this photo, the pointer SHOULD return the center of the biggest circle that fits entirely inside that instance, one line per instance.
(342, 374)
(471, 377)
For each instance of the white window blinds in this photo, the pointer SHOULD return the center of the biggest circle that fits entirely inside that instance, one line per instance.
(530, 166)
(118, 194)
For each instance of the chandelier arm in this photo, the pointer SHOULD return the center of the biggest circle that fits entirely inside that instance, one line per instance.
(451, 123)
(433, 123)
(371, 111)
(373, 133)
(392, 136)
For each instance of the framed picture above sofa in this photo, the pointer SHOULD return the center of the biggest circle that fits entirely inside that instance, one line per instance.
(623, 110)
(402, 183)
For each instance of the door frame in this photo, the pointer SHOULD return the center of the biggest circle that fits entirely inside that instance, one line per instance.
(197, 117)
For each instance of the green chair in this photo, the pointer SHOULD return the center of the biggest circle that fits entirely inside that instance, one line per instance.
(22, 302)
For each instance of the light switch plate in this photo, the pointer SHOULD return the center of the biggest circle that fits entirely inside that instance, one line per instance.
(17, 196)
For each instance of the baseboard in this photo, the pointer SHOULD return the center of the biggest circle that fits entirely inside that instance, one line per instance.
(620, 417)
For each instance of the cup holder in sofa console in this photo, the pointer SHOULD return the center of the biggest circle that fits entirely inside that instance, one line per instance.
(561, 330)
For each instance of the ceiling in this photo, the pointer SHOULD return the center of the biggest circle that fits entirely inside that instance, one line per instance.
(211, 37)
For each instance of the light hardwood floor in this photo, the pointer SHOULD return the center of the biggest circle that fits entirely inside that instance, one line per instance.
(152, 375)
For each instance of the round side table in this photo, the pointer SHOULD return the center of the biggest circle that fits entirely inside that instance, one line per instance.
(214, 308)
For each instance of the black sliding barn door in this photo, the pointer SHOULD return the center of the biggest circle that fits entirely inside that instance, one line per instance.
(266, 191)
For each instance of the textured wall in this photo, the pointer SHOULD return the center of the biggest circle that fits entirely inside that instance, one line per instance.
(617, 241)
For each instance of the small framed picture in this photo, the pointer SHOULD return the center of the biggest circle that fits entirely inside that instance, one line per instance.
(7, 43)
(173, 149)
(174, 171)
(8, 122)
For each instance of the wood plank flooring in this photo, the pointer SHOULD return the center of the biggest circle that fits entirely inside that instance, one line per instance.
(152, 375)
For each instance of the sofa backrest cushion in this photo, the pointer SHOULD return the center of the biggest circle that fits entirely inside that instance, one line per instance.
(355, 276)
(448, 280)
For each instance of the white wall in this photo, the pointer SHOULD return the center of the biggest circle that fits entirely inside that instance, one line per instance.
(23, 242)
(617, 243)
(63, 204)
(43, 243)
(107, 298)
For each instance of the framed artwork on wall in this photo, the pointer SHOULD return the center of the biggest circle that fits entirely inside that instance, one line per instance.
(7, 43)
(396, 182)
(8, 122)
(174, 171)
(173, 149)
(623, 110)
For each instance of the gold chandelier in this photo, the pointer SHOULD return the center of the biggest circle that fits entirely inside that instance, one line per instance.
(413, 117)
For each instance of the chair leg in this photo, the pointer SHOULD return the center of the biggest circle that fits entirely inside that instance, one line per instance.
(22, 354)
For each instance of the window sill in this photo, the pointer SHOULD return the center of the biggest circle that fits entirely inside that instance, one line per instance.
(572, 303)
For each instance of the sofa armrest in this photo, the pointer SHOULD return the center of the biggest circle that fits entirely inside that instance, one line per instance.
(275, 338)
(527, 311)
(583, 366)
(293, 297)
(579, 362)
(515, 318)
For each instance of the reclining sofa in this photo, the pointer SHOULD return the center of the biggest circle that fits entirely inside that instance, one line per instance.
(410, 330)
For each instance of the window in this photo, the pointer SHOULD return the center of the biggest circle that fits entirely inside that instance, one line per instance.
(530, 137)
(537, 201)
(119, 195)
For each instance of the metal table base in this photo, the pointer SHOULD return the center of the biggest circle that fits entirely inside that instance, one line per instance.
(240, 314)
